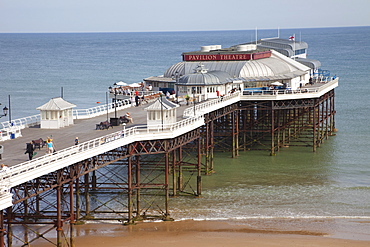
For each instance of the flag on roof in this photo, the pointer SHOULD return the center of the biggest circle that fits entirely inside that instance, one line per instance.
(291, 37)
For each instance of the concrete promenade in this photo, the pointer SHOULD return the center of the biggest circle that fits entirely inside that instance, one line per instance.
(83, 129)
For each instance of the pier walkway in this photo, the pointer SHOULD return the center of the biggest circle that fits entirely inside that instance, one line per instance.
(97, 142)
(63, 138)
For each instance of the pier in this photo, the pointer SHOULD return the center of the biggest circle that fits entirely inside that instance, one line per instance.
(129, 173)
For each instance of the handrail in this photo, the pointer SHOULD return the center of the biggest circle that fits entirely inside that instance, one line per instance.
(11, 132)
(51, 162)
(201, 107)
(100, 110)
(132, 93)
(77, 114)
(21, 122)
(289, 91)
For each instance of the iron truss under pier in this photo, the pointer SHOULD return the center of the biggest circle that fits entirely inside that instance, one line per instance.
(136, 181)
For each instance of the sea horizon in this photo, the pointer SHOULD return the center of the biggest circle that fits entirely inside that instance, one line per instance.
(175, 31)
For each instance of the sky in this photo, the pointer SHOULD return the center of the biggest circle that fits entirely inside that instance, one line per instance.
(42, 16)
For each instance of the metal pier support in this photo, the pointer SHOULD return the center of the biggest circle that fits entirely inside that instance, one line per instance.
(136, 179)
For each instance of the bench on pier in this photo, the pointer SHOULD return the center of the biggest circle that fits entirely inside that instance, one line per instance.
(39, 143)
(103, 125)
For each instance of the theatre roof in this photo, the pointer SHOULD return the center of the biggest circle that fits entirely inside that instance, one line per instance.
(162, 104)
(275, 66)
(312, 63)
(202, 77)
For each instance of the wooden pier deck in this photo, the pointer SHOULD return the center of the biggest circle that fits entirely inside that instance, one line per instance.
(84, 129)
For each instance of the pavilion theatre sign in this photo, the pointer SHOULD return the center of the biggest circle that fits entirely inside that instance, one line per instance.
(226, 57)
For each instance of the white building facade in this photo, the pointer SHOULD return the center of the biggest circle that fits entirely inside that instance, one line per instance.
(55, 114)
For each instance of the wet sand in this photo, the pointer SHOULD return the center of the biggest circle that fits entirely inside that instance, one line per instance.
(224, 233)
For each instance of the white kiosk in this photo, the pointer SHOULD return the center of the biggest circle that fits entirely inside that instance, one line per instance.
(55, 114)
(161, 113)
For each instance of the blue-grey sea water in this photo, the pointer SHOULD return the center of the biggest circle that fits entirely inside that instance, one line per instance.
(333, 182)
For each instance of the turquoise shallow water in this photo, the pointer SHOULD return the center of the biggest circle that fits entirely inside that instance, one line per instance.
(293, 184)
(333, 183)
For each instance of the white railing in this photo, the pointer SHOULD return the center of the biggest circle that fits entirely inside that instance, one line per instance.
(279, 92)
(159, 128)
(132, 93)
(21, 122)
(29, 170)
(77, 114)
(329, 84)
(100, 110)
(325, 85)
(10, 133)
(214, 104)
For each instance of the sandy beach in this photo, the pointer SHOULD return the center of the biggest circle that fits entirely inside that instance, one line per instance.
(283, 232)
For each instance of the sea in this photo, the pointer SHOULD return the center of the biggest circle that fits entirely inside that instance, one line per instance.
(331, 183)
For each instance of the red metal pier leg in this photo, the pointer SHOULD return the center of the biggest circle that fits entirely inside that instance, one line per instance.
(167, 187)
(2, 230)
(199, 167)
(9, 212)
(59, 224)
(138, 192)
(72, 213)
(129, 192)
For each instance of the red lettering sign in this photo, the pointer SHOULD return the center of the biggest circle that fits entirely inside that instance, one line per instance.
(227, 57)
(216, 57)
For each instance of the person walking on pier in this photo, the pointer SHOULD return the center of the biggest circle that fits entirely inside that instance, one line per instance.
(49, 146)
(137, 103)
(77, 141)
(29, 150)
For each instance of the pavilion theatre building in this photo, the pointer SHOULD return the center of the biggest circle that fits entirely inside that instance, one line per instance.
(284, 95)
(215, 70)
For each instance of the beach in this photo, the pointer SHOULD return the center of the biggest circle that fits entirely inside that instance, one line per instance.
(283, 232)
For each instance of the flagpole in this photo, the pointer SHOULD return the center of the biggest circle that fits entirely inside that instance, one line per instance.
(256, 36)
(294, 45)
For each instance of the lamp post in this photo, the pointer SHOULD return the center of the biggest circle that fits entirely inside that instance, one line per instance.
(114, 121)
(115, 103)
(194, 98)
(106, 101)
(7, 110)
(115, 100)
(162, 111)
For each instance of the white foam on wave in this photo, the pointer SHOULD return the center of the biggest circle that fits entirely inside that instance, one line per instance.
(275, 217)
